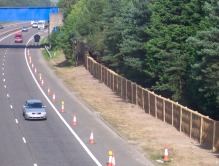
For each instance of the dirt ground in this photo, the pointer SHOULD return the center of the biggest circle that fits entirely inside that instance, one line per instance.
(143, 131)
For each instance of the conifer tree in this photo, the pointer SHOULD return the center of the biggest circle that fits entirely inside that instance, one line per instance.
(205, 71)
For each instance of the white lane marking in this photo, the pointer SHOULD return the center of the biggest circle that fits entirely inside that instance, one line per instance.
(5, 86)
(7, 95)
(3, 64)
(5, 53)
(3, 73)
(3, 80)
(34, 164)
(11, 106)
(3, 68)
(57, 112)
(16, 120)
(24, 140)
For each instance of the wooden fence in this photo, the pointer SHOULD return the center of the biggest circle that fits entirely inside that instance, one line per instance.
(195, 125)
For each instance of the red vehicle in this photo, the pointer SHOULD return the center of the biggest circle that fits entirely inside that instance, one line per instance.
(18, 38)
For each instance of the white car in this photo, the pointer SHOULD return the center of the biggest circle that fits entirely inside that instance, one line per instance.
(34, 109)
(35, 25)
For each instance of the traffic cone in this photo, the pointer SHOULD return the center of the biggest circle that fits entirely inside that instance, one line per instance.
(42, 83)
(113, 160)
(166, 157)
(62, 109)
(54, 98)
(32, 65)
(40, 77)
(28, 52)
(91, 138)
(48, 91)
(35, 70)
(110, 158)
(74, 123)
(30, 60)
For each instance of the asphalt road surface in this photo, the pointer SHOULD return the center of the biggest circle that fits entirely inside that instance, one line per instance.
(55, 141)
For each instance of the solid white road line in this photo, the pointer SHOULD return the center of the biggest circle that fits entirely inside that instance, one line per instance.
(57, 112)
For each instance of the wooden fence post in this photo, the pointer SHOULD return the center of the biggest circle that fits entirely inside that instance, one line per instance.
(200, 138)
(155, 105)
(164, 111)
(214, 132)
(190, 126)
(172, 111)
(180, 120)
(149, 104)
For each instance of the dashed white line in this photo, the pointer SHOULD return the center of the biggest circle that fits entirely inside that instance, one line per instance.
(5, 86)
(16, 120)
(7, 95)
(3, 68)
(11, 106)
(24, 140)
(3, 80)
(34, 164)
(3, 73)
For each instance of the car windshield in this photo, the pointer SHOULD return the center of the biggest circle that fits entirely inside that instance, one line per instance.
(35, 105)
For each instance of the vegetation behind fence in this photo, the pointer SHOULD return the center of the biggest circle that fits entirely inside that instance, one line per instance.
(195, 125)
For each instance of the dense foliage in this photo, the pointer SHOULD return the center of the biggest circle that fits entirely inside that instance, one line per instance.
(25, 3)
(170, 47)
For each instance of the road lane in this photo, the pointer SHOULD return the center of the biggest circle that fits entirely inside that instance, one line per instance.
(50, 142)
(13, 150)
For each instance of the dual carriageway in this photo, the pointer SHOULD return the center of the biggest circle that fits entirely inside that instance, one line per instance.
(54, 142)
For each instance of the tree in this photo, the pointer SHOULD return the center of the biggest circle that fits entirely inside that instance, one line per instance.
(172, 22)
(25, 3)
(205, 71)
(125, 23)
(66, 6)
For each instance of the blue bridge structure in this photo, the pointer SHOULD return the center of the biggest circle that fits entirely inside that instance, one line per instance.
(14, 14)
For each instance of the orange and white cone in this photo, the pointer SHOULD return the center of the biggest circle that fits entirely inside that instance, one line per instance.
(113, 160)
(40, 77)
(30, 60)
(48, 91)
(166, 156)
(91, 138)
(42, 83)
(110, 158)
(74, 123)
(54, 98)
(28, 52)
(35, 70)
(62, 109)
(32, 66)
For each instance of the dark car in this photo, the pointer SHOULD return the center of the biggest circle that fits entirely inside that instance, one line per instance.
(34, 109)
(1, 27)
(18, 38)
(24, 29)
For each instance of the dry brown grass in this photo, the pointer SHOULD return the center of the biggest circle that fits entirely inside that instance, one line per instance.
(148, 134)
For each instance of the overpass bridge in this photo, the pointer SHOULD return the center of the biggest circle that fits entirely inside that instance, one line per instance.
(15, 14)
